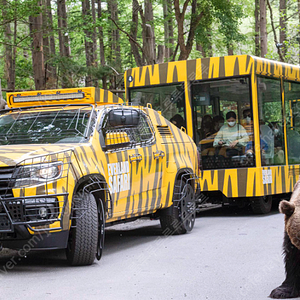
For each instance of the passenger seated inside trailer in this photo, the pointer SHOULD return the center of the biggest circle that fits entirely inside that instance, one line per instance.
(222, 145)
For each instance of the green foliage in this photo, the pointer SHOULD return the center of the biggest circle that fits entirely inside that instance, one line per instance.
(220, 28)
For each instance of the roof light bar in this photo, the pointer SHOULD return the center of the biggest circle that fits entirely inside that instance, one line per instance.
(48, 97)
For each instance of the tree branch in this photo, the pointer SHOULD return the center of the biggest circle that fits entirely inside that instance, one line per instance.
(125, 32)
(274, 31)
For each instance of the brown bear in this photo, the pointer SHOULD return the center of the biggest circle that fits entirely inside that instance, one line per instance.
(290, 288)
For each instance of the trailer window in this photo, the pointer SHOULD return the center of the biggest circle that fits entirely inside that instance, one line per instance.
(270, 122)
(223, 126)
(292, 112)
(169, 99)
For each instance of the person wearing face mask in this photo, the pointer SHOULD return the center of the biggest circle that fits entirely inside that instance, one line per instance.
(233, 136)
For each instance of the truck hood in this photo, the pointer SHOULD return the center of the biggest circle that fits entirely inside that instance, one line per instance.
(11, 155)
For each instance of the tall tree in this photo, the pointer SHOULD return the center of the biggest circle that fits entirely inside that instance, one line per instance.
(48, 44)
(256, 28)
(36, 26)
(186, 46)
(298, 37)
(168, 29)
(148, 32)
(114, 38)
(88, 39)
(282, 25)
(64, 47)
(263, 28)
(9, 48)
(101, 44)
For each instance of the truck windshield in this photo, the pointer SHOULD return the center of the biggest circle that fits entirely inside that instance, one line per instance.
(45, 127)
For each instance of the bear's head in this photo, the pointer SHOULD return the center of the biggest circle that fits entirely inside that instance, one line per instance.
(291, 209)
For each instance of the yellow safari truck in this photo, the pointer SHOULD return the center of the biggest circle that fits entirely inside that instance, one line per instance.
(242, 111)
(73, 161)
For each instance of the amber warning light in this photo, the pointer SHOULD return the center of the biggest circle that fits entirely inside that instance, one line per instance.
(48, 97)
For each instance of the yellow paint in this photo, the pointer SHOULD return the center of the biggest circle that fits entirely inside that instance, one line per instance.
(232, 174)
(149, 179)
(247, 65)
(211, 179)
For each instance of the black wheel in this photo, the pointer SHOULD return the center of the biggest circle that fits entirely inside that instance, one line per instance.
(262, 205)
(180, 217)
(83, 238)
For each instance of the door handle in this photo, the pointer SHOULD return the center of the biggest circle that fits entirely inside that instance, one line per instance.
(158, 154)
(135, 157)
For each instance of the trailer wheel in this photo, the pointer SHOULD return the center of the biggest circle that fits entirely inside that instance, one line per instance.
(262, 205)
(83, 238)
(180, 217)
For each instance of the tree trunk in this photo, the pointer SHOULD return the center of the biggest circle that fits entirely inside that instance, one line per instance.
(298, 37)
(115, 51)
(263, 29)
(160, 54)
(47, 35)
(282, 24)
(52, 82)
(186, 48)
(94, 61)
(201, 50)
(101, 44)
(148, 33)
(35, 25)
(86, 13)
(133, 33)
(64, 47)
(257, 27)
(168, 27)
(9, 69)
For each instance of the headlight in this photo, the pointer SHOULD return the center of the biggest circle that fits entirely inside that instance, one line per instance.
(37, 174)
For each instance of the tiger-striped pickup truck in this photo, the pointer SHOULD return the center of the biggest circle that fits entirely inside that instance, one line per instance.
(73, 161)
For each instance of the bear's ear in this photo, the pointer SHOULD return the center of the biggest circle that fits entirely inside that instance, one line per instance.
(286, 207)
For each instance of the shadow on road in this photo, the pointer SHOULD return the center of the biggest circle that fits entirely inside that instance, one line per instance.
(118, 238)
(232, 211)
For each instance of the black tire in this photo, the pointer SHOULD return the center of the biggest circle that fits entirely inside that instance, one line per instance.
(180, 217)
(83, 238)
(261, 205)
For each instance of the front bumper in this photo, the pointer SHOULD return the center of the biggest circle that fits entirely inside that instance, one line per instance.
(22, 239)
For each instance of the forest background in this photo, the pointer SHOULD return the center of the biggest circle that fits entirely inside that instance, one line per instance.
(49, 44)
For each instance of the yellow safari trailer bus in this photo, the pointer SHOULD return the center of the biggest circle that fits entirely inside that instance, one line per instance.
(243, 113)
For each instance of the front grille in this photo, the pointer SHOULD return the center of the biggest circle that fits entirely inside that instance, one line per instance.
(6, 183)
(4, 222)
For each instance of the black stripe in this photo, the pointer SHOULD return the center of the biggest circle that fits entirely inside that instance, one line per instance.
(150, 157)
(168, 196)
(222, 67)
(140, 196)
(147, 199)
(94, 152)
(175, 74)
(147, 77)
(163, 73)
(85, 166)
(212, 71)
(84, 153)
(236, 67)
